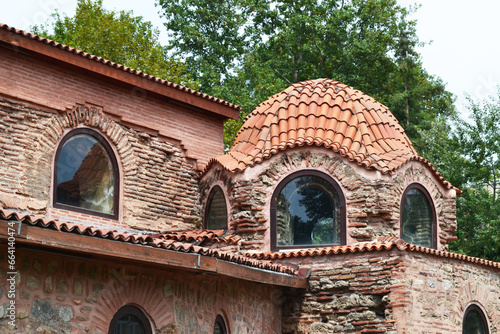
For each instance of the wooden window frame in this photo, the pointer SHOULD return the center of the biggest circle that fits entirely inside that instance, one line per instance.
(135, 311)
(274, 200)
(430, 201)
(96, 135)
(209, 202)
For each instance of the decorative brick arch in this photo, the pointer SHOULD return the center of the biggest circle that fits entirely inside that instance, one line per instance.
(92, 117)
(478, 294)
(139, 290)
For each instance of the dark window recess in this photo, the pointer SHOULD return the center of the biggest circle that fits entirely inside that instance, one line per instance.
(307, 211)
(130, 320)
(474, 321)
(86, 174)
(216, 210)
(418, 225)
(220, 326)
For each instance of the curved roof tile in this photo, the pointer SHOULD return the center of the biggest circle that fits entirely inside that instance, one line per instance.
(324, 113)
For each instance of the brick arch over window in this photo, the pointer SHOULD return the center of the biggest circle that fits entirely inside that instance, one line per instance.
(138, 291)
(92, 117)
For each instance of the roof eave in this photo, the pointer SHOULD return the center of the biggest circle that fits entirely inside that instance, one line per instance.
(45, 238)
(98, 66)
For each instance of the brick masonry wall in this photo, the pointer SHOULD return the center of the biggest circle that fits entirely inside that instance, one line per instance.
(372, 200)
(58, 89)
(438, 290)
(353, 293)
(60, 294)
(159, 190)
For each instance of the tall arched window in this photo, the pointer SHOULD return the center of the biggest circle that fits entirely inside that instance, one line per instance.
(474, 321)
(307, 209)
(86, 174)
(216, 210)
(220, 326)
(418, 217)
(130, 320)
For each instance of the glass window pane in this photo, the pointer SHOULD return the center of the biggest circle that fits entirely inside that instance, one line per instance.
(473, 323)
(417, 222)
(220, 326)
(217, 210)
(85, 176)
(308, 213)
(128, 324)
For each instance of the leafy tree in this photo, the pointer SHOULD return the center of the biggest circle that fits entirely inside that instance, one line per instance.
(118, 36)
(247, 50)
(478, 209)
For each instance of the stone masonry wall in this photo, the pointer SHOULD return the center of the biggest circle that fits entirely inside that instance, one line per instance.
(372, 200)
(438, 290)
(158, 184)
(60, 294)
(352, 293)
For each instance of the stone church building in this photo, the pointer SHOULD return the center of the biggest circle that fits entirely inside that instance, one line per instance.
(120, 212)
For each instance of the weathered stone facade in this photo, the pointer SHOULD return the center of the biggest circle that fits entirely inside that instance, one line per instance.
(60, 294)
(373, 200)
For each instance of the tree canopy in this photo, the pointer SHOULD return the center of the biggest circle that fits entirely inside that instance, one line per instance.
(247, 50)
(118, 36)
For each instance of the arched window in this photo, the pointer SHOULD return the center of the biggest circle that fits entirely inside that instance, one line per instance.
(307, 209)
(130, 320)
(216, 210)
(220, 326)
(474, 321)
(86, 174)
(418, 218)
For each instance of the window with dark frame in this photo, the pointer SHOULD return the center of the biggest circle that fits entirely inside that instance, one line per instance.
(418, 217)
(220, 325)
(86, 174)
(307, 209)
(474, 321)
(130, 320)
(216, 210)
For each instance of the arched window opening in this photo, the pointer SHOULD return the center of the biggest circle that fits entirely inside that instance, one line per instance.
(130, 320)
(418, 218)
(216, 210)
(220, 326)
(307, 209)
(474, 321)
(86, 174)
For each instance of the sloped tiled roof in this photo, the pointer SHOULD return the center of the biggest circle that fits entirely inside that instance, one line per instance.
(200, 236)
(324, 113)
(380, 245)
(143, 239)
(116, 65)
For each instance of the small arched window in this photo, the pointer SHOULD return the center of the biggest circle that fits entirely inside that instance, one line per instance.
(86, 174)
(307, 209)
(418, 218)
(130, 320)
(216, 210)
(474, 321)
(220, 326)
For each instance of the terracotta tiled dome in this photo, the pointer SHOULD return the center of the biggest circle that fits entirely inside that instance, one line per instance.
(324, 113)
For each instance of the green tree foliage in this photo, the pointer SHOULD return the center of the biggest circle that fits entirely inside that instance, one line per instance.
(477, 143)
(118, 36)
(247, 50)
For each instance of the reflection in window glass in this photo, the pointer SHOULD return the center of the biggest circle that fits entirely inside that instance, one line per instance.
(308, 213)
(216, 210)
(130, 320)
(474, 321)
(128, 324)
(85, 176)
(417, 223)
(220, 326)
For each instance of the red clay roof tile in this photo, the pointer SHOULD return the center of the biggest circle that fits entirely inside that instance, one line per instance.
(325, 113)
(383, 243)
(171, 241)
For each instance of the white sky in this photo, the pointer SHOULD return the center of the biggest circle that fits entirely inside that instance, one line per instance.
(465, 49)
